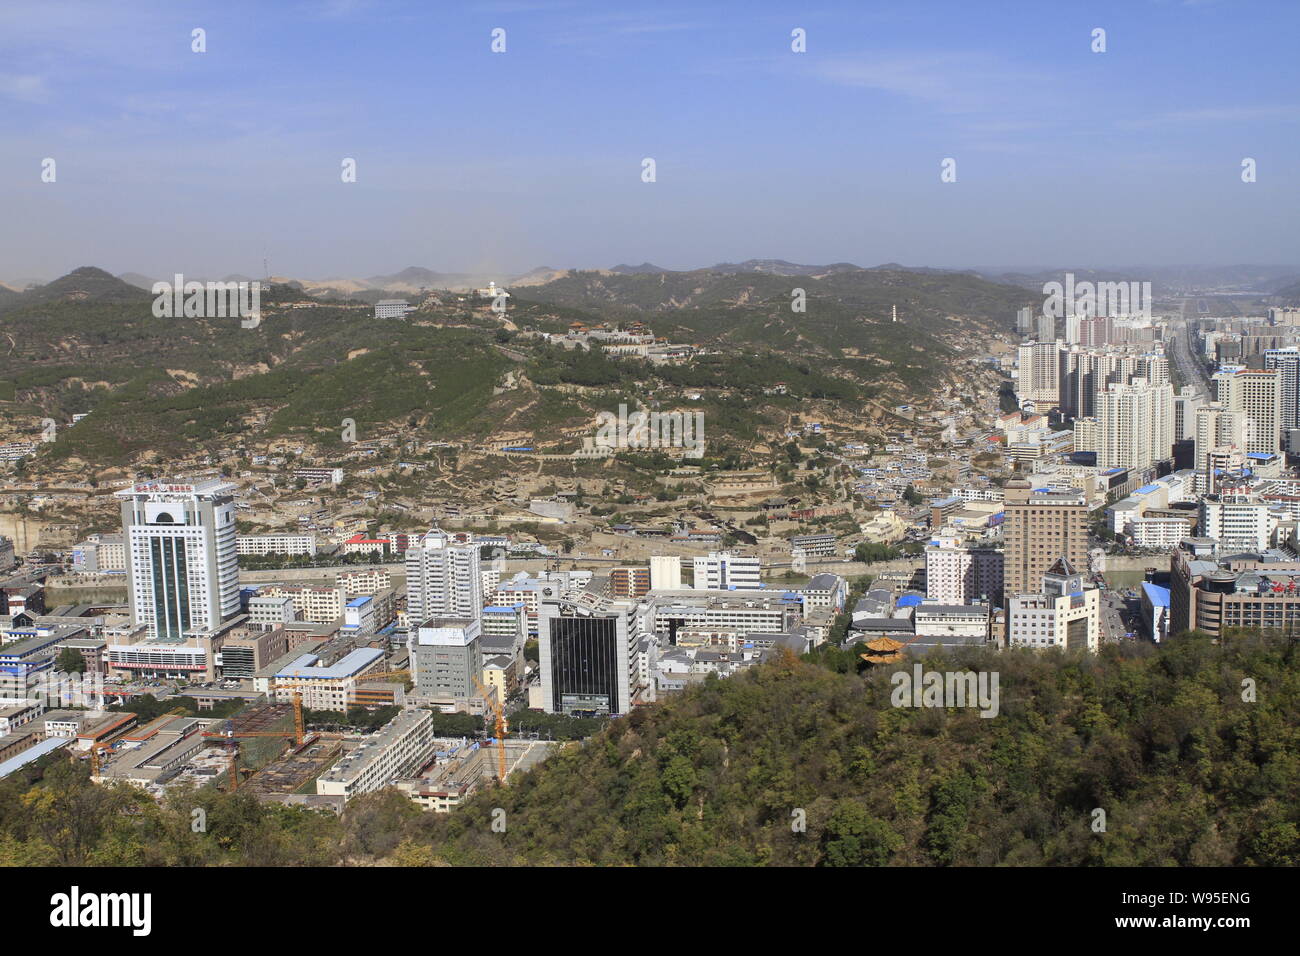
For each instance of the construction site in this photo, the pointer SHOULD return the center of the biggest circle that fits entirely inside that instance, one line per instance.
(271, 753)
(268, 751)
(297, 770)
(460, 767)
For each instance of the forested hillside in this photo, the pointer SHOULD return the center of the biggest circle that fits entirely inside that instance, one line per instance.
(157, 388)
(1186, 771)
(1160, 739)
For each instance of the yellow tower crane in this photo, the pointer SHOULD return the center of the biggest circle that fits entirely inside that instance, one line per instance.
(374, 698)
(498, 708)
(298, 735)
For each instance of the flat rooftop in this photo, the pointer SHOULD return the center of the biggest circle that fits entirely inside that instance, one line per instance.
(306, 667)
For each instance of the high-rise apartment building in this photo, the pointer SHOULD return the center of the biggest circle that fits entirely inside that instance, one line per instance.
(1087, 434)
(1040, 527)
(1287, 364)
(180, 540)
(1186, 402)
(1038, 374)
(1136, 423)
(1096, 330)
(1025, 321)
(959, 575)
(1083, 373)
(442, 580)
(1217, 427)
(1258, 393)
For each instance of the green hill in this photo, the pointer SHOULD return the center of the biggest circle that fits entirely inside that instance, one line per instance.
(794, 763)
(89, 342)
(86, 284)
(1160, 739)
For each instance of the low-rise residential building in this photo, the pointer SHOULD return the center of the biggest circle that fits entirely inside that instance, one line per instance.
(400, 748)
(264, 544)
(322, 687)
(364, 581)
(1160, 531)
(99, 553)
(360, 544)
(314, 476)
(317, 605)
(392, 308)
(814, 545)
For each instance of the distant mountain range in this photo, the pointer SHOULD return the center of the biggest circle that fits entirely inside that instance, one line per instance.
(89, 342)
(1167, 281)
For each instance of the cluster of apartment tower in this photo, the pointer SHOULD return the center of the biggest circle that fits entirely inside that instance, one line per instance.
(596, 640)
(1120, 401)
(1038, 578)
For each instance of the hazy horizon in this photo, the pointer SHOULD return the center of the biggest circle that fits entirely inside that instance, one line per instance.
(477, 162)
(992, 272)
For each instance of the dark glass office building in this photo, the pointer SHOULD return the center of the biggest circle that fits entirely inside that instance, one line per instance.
(584, 662)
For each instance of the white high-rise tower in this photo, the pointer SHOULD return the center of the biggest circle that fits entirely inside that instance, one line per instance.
(1258, 393)
(180, 543)
(1136, 424)
(442, 580)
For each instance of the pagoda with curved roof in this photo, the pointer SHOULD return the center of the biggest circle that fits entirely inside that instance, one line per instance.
(883, 650)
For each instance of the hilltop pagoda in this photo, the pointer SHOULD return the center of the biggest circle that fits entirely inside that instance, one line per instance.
(883, 650)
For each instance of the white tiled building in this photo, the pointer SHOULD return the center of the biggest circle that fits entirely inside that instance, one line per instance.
(400, 748)
(1066, 614)
(958, 575)
(726, 570)
(263, 544)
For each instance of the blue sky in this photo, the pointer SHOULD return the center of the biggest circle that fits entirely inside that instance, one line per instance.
(168, 160)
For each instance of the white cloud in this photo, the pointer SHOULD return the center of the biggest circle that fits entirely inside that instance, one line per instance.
(1218, 114)
(26, 88)
(954, 82)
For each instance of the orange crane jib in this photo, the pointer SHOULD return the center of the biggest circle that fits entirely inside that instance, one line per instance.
(501, 728)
